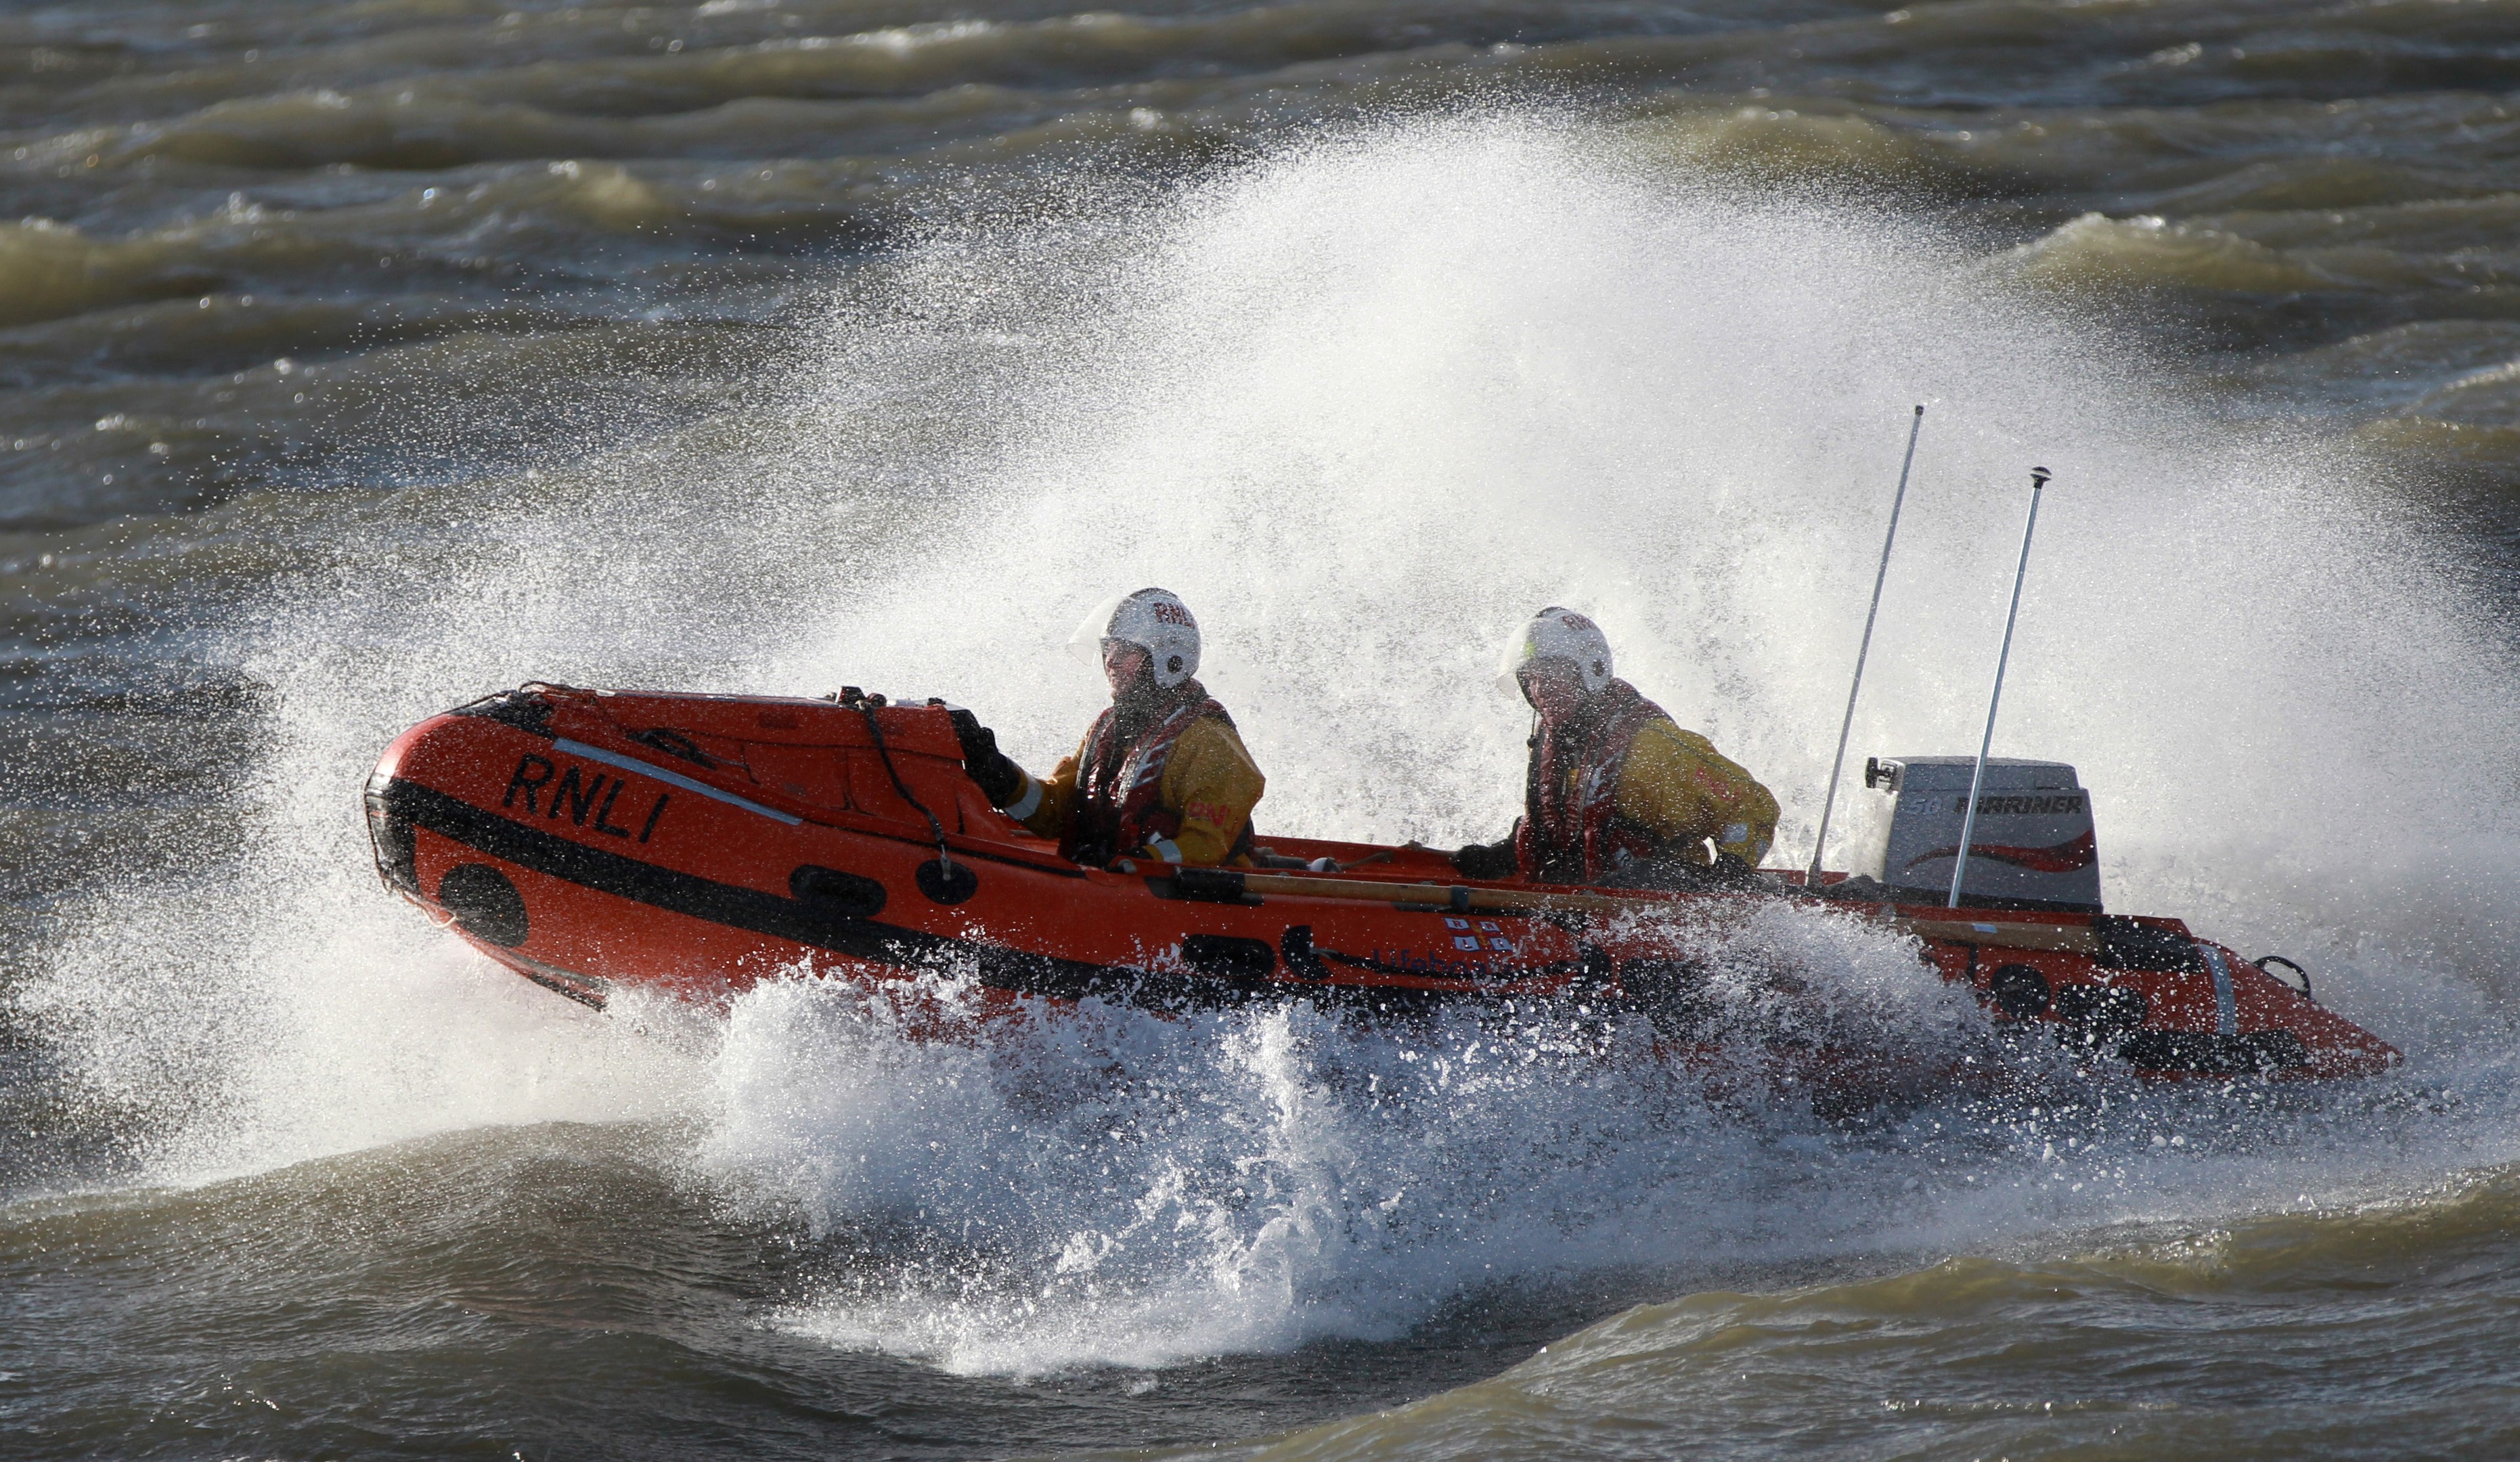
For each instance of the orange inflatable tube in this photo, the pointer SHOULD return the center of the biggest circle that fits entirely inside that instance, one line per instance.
(591, 840)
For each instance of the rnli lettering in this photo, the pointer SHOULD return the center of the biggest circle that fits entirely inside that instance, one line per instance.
(604, 814)
(2019, 807)
(530, 773)
(580, 795)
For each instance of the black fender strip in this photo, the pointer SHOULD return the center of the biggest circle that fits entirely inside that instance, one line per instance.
(398, 805)
(1564, 967)
(408, 804)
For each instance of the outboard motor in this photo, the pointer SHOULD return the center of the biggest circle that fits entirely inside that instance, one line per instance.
(2032, 848)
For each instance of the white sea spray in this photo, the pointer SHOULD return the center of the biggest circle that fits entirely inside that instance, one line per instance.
(1366, 403)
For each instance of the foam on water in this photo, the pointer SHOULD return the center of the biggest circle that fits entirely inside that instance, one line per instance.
(1367, 404)
(1108, 1185)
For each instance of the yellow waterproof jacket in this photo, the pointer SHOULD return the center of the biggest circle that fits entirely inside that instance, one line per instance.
(1210, 783)
(1676, 785)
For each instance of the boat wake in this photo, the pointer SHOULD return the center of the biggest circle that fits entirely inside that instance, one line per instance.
(1099, 1185)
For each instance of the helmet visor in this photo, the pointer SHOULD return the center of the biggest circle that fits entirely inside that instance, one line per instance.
(1553, 678)
(1085, 643)
(1518, 653)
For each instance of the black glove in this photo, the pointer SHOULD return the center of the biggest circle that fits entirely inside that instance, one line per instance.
(1487, 859)
(998, 779)
(1731, 870)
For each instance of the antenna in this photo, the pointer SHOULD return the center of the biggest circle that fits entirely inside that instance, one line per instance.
(1819, 844)
(1977, 778)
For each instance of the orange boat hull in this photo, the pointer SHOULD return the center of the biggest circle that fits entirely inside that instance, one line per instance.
(696, 845)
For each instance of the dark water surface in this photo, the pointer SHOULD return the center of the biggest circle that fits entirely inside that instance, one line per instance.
(357, 359)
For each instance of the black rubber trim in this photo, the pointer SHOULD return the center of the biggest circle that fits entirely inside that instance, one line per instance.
(2210, 1054)
(525, 710)
(1936, 896)
(820, 928)
(1202, 886)
(1230, 957)
(1451, 971)
(834, 891)
(2101, 1013)
(674, 743)
(2128, 945)
(2020, 992)
(946, 883)
(1311, 966)
(390, 838)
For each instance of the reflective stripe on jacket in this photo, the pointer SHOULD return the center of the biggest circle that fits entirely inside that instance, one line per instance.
(1619, 784)
(1181, 788)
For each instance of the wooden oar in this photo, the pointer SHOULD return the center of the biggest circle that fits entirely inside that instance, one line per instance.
(1459, 897)
(1232, 885)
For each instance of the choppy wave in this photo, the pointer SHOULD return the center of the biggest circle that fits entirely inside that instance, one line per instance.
(387, 172)
(2268, 1320)
(1336, 396)
(361, 363)
(1110, 1187)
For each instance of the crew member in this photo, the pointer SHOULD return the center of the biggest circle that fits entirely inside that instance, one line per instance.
(1161, 776)
(1616, 793)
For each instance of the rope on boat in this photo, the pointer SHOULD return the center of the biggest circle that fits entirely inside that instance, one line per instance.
(866, 707)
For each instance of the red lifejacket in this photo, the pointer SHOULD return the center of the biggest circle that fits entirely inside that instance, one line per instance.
(1571, 831)
(1120, 778)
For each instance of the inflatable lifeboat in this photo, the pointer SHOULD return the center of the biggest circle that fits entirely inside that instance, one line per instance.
(593, 840)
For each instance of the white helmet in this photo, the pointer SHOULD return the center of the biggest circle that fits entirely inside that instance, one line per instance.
(1154, 619)
(1558, 634)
